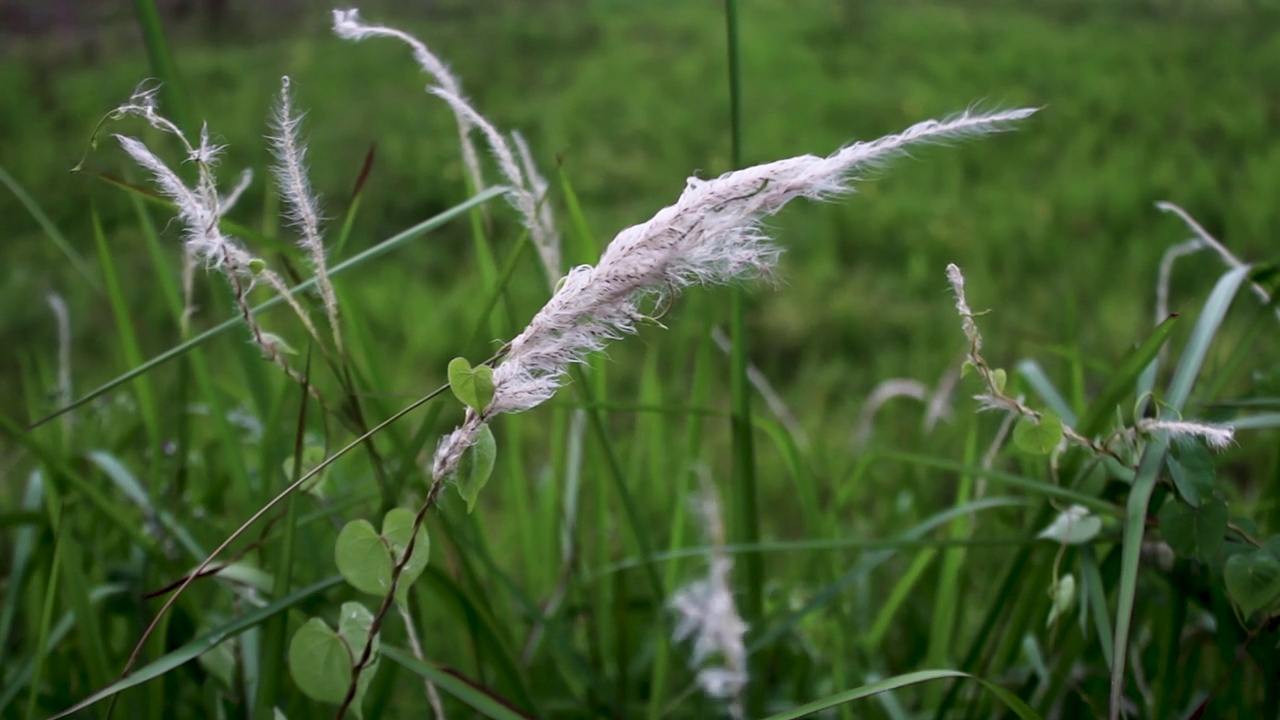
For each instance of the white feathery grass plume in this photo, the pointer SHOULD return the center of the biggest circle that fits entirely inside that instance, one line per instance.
(1166, 272)
(348, 26)
(995, 398)
(302, 205)
(544, 234)
(528, 188)
(776, 404)
(711, 235)
(881, 394)
(1214, 435)
(523, 194)
(229, 200)
(1213, 243)
(63, 319)
(200, 209)
(706, 612)
(956, 278)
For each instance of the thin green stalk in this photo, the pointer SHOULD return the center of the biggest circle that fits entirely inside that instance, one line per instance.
(948, 601)
(745, 511)
(162, 62)
(381, 248)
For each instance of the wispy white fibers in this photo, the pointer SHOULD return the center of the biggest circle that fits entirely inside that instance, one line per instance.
(543, 231)
(711, 235)
(1214, 435)
(302, 207)
(200, 210)
(527, 188)
(347, 25)
(706, 612)
(522, 194)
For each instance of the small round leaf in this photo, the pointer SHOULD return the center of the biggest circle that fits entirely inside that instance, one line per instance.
(477, 466)
(1192, 470)
(396, 527)
(1073, 526)
(320, 662)
(1253, 580)
(362, 557)
(462, 381)
(1038, 438)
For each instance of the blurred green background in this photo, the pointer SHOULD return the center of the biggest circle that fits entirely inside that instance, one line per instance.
(1054, 223)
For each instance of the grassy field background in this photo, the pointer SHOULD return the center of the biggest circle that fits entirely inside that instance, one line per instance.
(1054, 224)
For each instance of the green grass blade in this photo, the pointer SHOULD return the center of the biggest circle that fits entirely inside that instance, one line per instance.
(1038, 487)
(381, 248)
(1122, 381)
(60, 469)
(1261, 421)
(1096, 594)
(451, 682)
(859, 572)
(46, 618)
(1020, 708)
(901, 590)
(744, 510)
(1035, 376)
(1211, 317)
(271, 671)
(162, 62)
(23, 547)
(193, 649)
(948, 603)
(51, 230)
(20, 679)
(1144, 483)
(125, 331)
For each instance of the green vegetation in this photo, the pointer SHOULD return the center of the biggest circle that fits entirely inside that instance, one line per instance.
(900, 572)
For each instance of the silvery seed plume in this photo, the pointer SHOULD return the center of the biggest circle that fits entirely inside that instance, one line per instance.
(707, 613)
(526, 188)
(302, 206)
(712, 235)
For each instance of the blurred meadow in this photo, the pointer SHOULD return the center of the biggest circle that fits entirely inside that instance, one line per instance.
(866, 545)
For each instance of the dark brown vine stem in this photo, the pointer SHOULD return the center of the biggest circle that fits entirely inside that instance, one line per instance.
(366, 654)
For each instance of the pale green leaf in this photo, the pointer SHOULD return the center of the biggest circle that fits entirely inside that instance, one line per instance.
(363, 558)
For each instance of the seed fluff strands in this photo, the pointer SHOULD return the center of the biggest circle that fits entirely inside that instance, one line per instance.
(527, 188)
(348, 26)
(711, 235)
(200, 208)
(302, 206)
(707, 613)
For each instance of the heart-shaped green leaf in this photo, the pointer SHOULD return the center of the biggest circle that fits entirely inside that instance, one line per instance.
(1073, 526)
(362, 557)
(473, 386)
(1038, 438)
(353, 628)
(1253, 580)
(312, 455)
(320, 662)
(482, 376)
(1062, 596)
(1194, 532)
(1192, 470)
(476, 467)
(396, 529)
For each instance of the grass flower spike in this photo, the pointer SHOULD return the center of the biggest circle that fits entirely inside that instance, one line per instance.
(527, 189)
(707, 613)
(302, 206)
(712, 235)
(200, 210)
